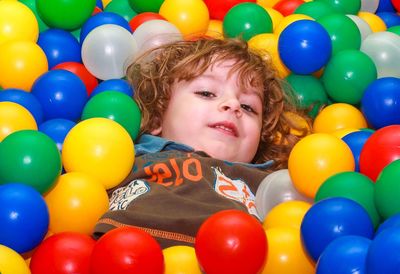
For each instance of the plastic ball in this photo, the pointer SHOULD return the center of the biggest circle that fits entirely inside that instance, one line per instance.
(344, 6)
(17, 22)
(79, 70)
(228, 237)
(356, 140)
(338, 116)
(347, 75)
(180, 259)
(119, 85)
(286, 21)
(304, 46)
(191, 17)
(276, 188)
(32, 159)
(65, 14)
(369, 6)
(139, 19)
(59, 46)
(315, 9)
(76, 202)
(346, 254)
(14, 117)
(133, 251)
(100, 147)
(374, 21)
(145, 6)
(286, 254)
(383, 252)
(383, 49)
(330, 219)
(215, 29)
(287, 7)
(246, 20)
(11, 262)
(390, 18)
(362, 26)
(25, 99)
(392, 221)
(100, 19)
(57, 129)
(315, 158)
(286, 214)
(354, 186)
(21, 63)
(67, 252)
(61, 93)
(105, 45)
(121, 8)
(116, 106)
(31, 4)
(219, 8)
(24, 217)
(275, 15)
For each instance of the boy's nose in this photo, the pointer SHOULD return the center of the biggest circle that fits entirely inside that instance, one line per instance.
(231, 104)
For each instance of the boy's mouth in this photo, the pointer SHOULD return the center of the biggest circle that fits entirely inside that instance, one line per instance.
(225, 127)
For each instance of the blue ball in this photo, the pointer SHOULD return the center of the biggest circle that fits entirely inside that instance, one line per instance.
(385, 5)
(61, 93)
(57, 129)
(392, 221)
(59, 46)
(355, 141)
(304, 46)
(103, 18)
(380, 102)
(113, 85)
(331, 218)
(24, 217)
(25, 99)
(344, 255)
(99, 4)
(390, 18)
(384, 252)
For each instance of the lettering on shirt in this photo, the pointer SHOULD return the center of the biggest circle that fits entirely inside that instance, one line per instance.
(122, 197)
(235, 189)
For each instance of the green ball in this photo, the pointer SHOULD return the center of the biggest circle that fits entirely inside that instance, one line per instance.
(387, 190)
(32, 5)
(343, 31)
(354, 186)
(121, 7)
(314, 9)
(394, 29)
(29, 157)
(146, 5)
(65, 14)
(309, 91)
(344, 6)
(116, 106)
(347, 75)
(246, 20)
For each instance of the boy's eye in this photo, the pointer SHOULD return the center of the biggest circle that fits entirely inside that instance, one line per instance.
(204, 93)
(247, 108)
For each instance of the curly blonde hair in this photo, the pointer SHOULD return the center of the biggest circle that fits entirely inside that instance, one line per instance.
(153, 74)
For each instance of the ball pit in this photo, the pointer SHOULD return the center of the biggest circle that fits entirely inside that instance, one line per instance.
(76, 36)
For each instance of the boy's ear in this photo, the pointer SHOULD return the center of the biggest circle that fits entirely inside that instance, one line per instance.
(156, 131)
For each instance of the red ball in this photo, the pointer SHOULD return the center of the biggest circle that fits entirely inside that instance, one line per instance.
(80, 70)
(218, 8)
(66, 252)
(380, 149)
(139, 19)
(287, 7)
(396, 5)
(127, 250)
(231, 241)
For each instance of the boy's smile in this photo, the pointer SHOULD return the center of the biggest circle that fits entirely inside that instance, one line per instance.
(215, 114)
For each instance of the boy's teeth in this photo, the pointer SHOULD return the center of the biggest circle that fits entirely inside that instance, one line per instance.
(224, 128)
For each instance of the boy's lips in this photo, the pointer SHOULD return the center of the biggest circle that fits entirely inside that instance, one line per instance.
(226, 127)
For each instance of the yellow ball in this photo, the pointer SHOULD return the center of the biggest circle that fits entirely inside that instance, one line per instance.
(191, 17)
(100, 147)
(374, 21)
(286, 254)
(287, 214)
(340, 133)
(338, 116)
(215, 29)
(315, 158)
(75, 203)
(11, 262)
(14, 117)
(267, 3)
(17, 22)
(268, 42)
(180, 260)
(275, 15)
(21, 63)
(286, 21)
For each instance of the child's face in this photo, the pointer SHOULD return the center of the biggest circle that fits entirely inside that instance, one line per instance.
(212, 113)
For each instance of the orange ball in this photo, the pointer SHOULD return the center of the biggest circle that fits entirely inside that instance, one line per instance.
(288, 214)
(374, 21)
(215, 29)
(180, 259)
(315, 158)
